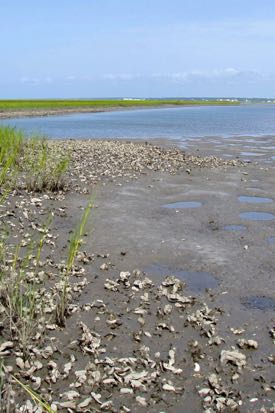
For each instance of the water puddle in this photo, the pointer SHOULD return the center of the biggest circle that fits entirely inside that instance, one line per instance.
(196, 281)
(234, 228)
(257, 216)
(183, 204)
(273, 158)
(254, 199)
(251, 154)
(254, 189)
(259, 303)
(271, 240)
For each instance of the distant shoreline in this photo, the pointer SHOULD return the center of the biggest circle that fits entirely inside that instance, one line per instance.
(20, 109)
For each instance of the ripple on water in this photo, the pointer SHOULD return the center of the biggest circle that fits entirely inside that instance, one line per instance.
(259, 303)
(183, 204)
(254, 199)
(196, 281)
(257, 216)
(251, 154)
(234, 228)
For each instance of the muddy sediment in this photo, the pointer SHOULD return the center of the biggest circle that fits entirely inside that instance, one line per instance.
(136, 338)
(29, 113)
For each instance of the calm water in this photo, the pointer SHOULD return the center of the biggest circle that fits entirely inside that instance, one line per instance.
(173, 123)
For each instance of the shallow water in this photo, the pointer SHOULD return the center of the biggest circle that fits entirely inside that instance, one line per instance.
(169, 123)
(254, 199)
(257, 216)
(196, 281)
(183, 205)
(251, 154)
(259, 302)
(234, 228)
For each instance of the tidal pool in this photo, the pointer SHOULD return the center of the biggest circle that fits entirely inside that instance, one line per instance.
(254, 199)
(257, 216)
(183, 205)
(259, 302)
(196, 281)
(251, 154)
(234, 228)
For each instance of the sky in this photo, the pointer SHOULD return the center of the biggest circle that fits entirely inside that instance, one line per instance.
(137, 48)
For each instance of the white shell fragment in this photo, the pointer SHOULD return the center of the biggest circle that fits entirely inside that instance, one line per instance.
(249, 344)
(234, 357)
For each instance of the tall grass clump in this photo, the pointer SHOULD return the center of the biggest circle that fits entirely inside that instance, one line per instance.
(43, 166)
(20, 294)
(11, 147)
(31, 163)
(21, 303)
(74, 246)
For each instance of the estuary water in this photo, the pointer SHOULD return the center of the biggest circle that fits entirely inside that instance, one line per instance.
(170, 123)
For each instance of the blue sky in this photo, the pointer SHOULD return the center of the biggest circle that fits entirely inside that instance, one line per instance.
(112, 48)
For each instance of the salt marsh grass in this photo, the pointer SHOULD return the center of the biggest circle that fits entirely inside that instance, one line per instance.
(37, 399)
(74, 246)
(30, 162)
(62, 104)
(43, 167)
(29, 165)
(11, 145)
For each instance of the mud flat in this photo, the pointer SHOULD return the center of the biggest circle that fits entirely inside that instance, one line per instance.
(171, 308)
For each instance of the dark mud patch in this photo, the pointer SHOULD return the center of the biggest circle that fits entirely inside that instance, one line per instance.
(195, 281)
(257, 302)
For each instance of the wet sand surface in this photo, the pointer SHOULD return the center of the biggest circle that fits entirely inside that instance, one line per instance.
(171, 241)
(206, 344)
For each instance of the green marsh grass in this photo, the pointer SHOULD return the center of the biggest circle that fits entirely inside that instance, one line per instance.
(32, 164)
(93, 104)
(20, 299)
(74, 246)
(44, 168)
(35, 396)
(11, 145)
(29, 162)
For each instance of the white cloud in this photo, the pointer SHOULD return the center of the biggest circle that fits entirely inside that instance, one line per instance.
(29, 80)
(229, 73)
(121, 76)
(48, 79)
(33, 81)
(70, 78)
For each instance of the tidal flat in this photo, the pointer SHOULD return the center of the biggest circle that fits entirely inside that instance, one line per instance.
(88, 327)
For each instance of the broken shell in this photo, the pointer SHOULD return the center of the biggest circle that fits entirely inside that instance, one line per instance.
(242, 343)
(234, 357)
